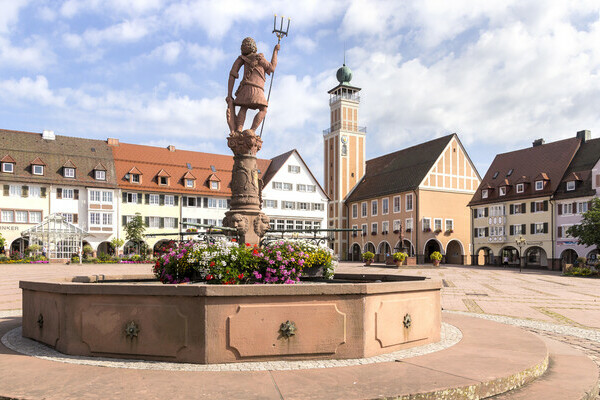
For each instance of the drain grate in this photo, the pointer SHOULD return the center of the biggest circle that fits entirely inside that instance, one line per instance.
(476, 294)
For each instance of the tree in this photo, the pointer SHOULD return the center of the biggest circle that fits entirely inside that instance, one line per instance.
(588, 232)
(2, 242)
(134, 230)
(116, 244)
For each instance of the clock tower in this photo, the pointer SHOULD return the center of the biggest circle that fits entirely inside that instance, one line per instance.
(344, 145)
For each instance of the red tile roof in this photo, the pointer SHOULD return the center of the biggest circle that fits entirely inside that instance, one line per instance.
(37, 161)
(149, 160)
(8, 159)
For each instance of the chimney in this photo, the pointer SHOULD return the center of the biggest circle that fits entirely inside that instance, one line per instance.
(48, 135)
(113, 142)
(538, 142)
(584, 135)
(171, 148)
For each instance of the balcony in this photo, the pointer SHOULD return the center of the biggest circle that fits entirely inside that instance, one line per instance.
(346, 126)
(344, 96)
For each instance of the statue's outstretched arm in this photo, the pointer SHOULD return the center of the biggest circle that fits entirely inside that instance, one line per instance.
(271, 67)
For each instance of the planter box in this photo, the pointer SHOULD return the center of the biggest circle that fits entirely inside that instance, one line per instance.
(411, 261)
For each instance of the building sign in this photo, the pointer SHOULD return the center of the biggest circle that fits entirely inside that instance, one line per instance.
(9, 228)
(566, 242)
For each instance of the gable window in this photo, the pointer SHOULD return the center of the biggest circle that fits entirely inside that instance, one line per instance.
(277, 185)
(294, 169)
(385, 206)
(484, 194)
(409, 202)
(288, 186)
(270, 203)
(69, 172)
(163, 180)
(311, 188)
(539, 185)
(354, 210)
(135, 178)
(300, 187)
(38, 170)
(397, 204)
(502, 190)
(189, 183)
(363, 211)
(101, 176)
(288, 205)
(570, 186)
(318, 206)
(303, 206)
(214, 185)
(8, 167)
(520, 187)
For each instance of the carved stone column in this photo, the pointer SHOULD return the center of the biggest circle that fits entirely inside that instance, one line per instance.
(246, 189)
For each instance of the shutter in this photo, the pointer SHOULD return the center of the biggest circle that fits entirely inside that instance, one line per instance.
(75, 218)
(475, 234)
(532, 226)
(6, 190)
(25, 191)
(485, 212)
(574, 207)
(147, 198)
(229, 203)
(206, 202)
(161, 223)
(474, 210)
(198, 201)
(545, 205)
(176, 200)
(184, 201)
(43, 192)
(524, 229)
(559, 209)
(589, 205)
(59, 193)
(177, 223)
(545, 227)
(559, 231)
(161, 200)
(147, 221)
(124, 220)
(487, 232)
(523, 208)
(532, 206)
(139, 198)
(512, 230)
(76, 194)
(512, 210)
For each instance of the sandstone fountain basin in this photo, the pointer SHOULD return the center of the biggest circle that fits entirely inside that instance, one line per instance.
(352, 316)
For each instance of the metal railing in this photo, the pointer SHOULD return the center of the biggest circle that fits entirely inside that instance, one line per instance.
(346, 126)
(273, 234)
(346, 96)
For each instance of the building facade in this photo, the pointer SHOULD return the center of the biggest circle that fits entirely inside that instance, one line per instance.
(513, 210)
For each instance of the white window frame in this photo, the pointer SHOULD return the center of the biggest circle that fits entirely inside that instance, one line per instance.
(68, 193)
(304, 206)
(33, 220)
(396, 225)
(16, 191)
(154, 199)
(12, 167)
(502, 191)
(374, 227)
(385, 227)
(363, 228)
(95, 218)
(95, 196)
(38, 170)
(132, 197)
(212, 203)
(570, 206)
(18, 217)
(107, 197)
(301, 187)
(484, 194)
(270, 203)
(169, 200)
(539, 185)
(288, 205)
(374, 208)
(354, 211)
(160, 180)
(154, 222)
(214, 185)
(364, 209)
(189, 183)
(100, 175)
(135, 178)
(397, 204)
(436, 222)
(278, 185)
(69, 172)
(409, 223)
(385, 206)
(520, 187)
(537, 225)
(7, 213)
(570, 186)
(582, 207)
(451, 221)
(428, 220)
(170, 222)
(294, 169)
(288, 186)
(107, 219)
(408, 202)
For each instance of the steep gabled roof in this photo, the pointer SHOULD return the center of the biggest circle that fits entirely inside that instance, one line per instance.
(69, 164)
(543, 162)
(163, 173)
(37, 161)
(400, 171)
(8, 159)
(581, 167)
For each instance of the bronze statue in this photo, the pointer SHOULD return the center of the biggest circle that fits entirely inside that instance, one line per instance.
(250, 93)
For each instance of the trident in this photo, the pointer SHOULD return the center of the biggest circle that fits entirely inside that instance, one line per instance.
(280, 33)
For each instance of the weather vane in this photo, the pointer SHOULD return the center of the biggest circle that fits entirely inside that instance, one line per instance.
(280, 33)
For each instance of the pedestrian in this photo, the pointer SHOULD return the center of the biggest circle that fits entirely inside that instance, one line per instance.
(44, 251)
(505, 261)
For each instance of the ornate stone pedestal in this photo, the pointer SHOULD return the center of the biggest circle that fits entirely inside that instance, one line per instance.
(246, 189)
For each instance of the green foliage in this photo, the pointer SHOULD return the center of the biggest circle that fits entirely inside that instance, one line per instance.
(34, 248)
(134, 229)
(580, 271)
(399, 256)
(74, 259)
(103, 256)
(116, 244)
(87, 250)
(581, 261)
(436, 256)
(2, 241)
(368, 256)
(588, 232)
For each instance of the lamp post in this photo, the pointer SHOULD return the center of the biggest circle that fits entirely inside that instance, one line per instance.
(520, 243)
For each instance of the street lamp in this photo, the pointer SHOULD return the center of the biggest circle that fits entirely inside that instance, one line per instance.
(520, 243)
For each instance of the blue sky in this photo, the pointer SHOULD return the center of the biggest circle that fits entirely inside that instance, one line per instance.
(499, 73)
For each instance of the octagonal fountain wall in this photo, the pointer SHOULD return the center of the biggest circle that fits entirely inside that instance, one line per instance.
(198, 323)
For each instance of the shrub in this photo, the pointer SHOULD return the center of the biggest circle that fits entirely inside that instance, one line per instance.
(581, 261)
(368, 256)
(103, 257)
(579, 271)
(399, 256)
(74, 259)
(16, 255)
(436, 256)
(87, 250)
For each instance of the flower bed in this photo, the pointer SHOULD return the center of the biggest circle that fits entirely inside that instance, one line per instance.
(226, 262)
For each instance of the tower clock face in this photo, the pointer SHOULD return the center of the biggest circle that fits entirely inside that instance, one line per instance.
(344, 139)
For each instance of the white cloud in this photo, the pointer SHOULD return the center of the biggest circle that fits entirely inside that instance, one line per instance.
(10, 13)
(28, 90)
(205, 56)
(34, 57)
(305, 44)
(168, 52)
(126, 31)
(72, 8)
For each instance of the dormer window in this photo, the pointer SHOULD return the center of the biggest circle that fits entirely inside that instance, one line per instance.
(539, 185)
(570, 186)
(189, 183)
(484, 194)
(8, 167)
(38, 170)
(100, 175)
(502, 191)
(68, 172)
(135, 178)
(163, 180)
(520, 187)
(214, 185)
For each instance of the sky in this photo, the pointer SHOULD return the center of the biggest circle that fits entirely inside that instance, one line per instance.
(498, 73)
